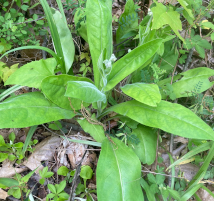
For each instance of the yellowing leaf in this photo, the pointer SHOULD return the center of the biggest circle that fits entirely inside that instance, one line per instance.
(187, 161)
(4, 46)
(7, 72)
(163, 16)
(85, 56)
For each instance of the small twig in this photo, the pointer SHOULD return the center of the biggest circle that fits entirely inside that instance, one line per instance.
(188, 59)
(72, 105)
(162, 174)
(71, 196)
(50, 130)
(156, 159)
(78, 47)
(28, 21)
(123, 41)
(87, 116)
(44, 44)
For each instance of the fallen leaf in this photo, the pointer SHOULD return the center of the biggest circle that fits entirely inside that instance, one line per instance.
(7, 169)
(204, 195)
(3, 194)
(44, 151)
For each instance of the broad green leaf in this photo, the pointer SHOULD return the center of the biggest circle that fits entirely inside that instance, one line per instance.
(56, 125)
(12, 137)
(163, 16)
(184, 4)
(33, 73)
(188, 18)
(145, 93)
(84, 91)
(168, 60)
(3, 156)
(99, 30)
(18, 145)
(149, 194)
(54, 88)
(63, 196)
(15, 192)
(2, 142)
(61, 186)
(66, 39)
(96, 131)
(118, 173)
(194, 81)
(170, 117)
(52, 188)
(131, 62)
(9, 182)
(128, 21)
(86, 172)
(59, 3)
(146, 148)
(63, 170)
(30, 109)
(81, 24)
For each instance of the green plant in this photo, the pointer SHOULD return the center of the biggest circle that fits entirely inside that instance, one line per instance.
(85, 173)
(57, 191)
(6, 71)
(17, 186)
(13, 151)
(85, 68)
(15, 28)
(64, 171)
(66, 96)
(44, 174)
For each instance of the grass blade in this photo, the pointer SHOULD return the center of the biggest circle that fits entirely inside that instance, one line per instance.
(59, 3)
(190, 192)
(204, 166)
(29, 136)
(97, 144)
(35, 47)
(193, 152)
(9, 91)
(145, 186)
(54, 32)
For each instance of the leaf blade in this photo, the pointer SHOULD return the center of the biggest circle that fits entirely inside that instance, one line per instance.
(84, 91)
(99, 32)
(166, 116)
(145, 93)
(30, 109)
(112, 167)
(131, 62)
(54, 88)
(33, 73)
